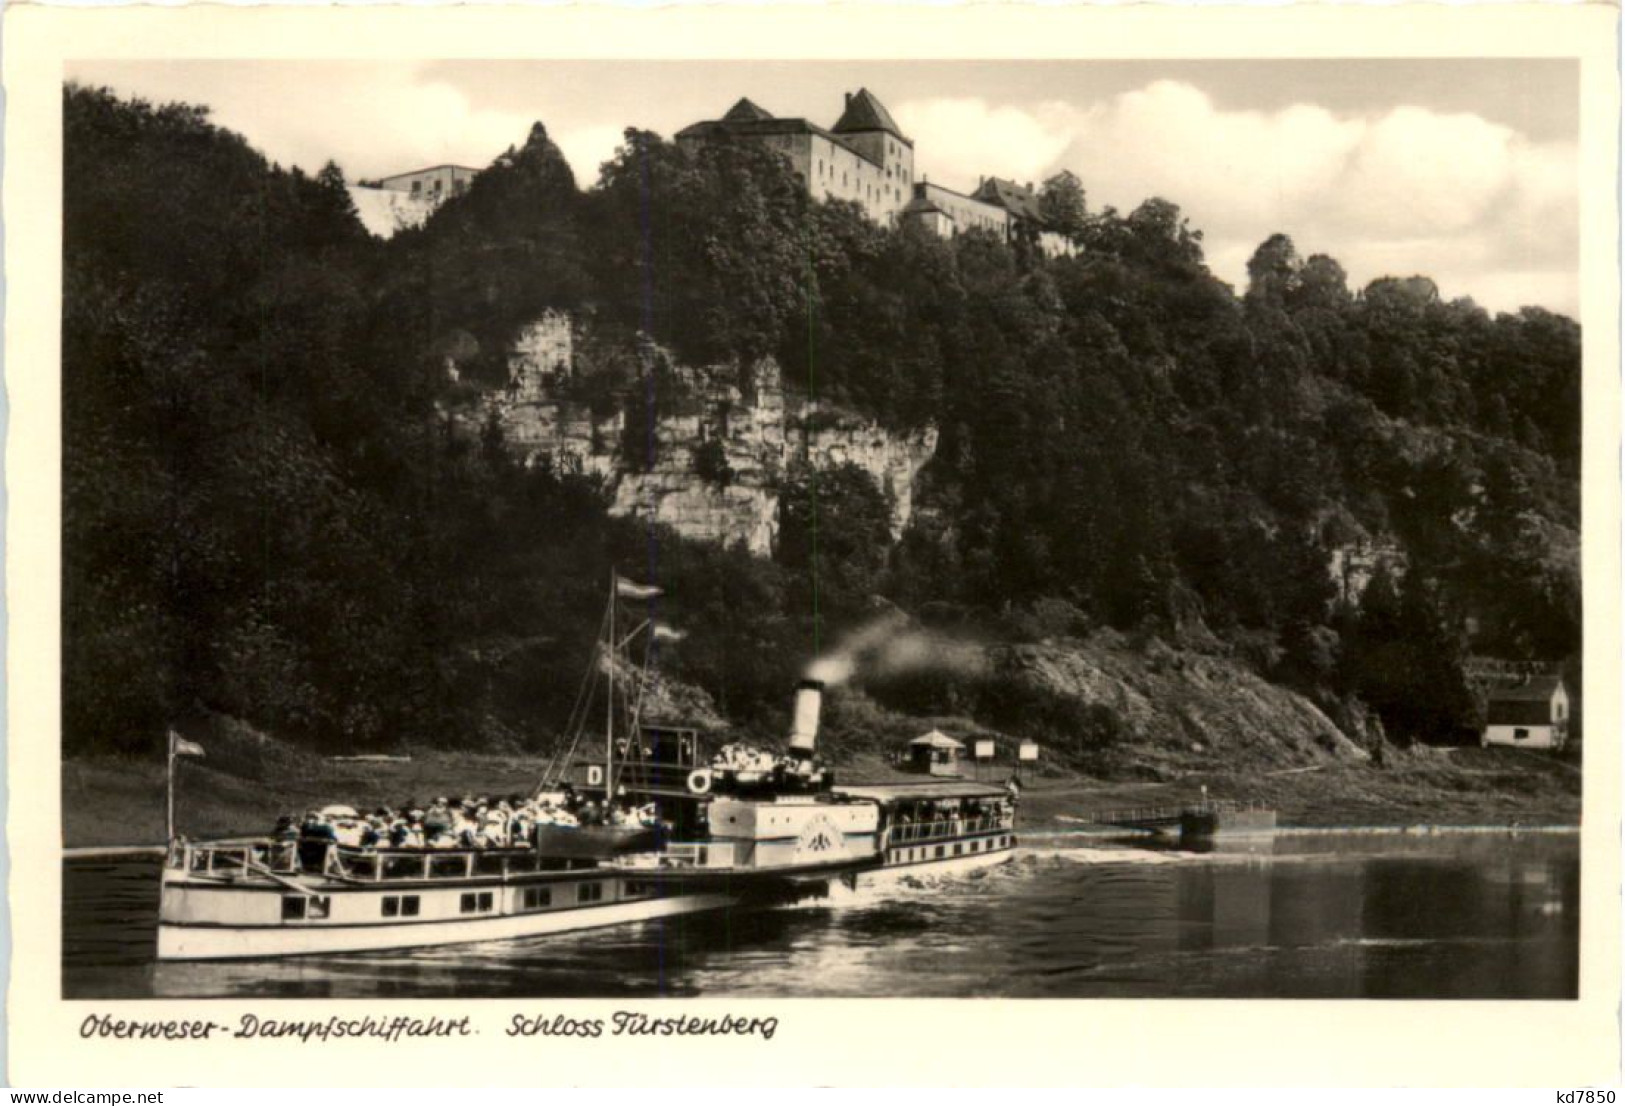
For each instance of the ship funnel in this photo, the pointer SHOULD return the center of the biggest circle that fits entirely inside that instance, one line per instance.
(809, 702)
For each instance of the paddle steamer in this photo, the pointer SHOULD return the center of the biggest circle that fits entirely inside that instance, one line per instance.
(718, 834)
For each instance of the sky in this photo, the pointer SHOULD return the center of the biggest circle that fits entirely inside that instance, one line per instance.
(1465, 170)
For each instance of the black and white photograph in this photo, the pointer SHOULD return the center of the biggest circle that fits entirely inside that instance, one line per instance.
(755, 528)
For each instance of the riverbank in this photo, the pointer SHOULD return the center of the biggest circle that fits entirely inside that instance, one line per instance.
(119, 802)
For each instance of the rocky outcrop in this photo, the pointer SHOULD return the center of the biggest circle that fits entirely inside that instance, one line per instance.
(1154, 707)
(721, 444)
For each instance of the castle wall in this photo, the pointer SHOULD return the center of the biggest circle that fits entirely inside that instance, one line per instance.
(967, 213)
(431, 184)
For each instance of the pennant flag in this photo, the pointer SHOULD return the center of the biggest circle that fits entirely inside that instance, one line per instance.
(626, 589)
(663, 632)
(180, 747)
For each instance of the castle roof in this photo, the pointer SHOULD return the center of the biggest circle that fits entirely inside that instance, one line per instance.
(430, 169)
(746, 111)
(747, 126)
(864, 112)
(1019, 200)
(920, 205)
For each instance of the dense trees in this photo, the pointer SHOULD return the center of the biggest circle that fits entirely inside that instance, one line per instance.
(266, 513)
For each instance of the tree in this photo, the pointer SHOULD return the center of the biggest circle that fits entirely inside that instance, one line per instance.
(1062, 203)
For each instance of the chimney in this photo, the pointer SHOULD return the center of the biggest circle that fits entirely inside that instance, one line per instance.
(804, 731)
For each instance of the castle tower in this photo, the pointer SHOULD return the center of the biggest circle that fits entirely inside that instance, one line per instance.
(867, 127)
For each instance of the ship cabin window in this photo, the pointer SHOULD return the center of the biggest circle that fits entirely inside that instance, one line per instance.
(536, 898)
(589, 892)
(975, 845)
(940, 849)
(391, 906)
(637, 889)
(958, 849)
(1519, 733)
(305, 907)
(409, 906)
(477, 902)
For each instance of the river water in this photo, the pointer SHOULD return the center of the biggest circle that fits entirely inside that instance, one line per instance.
(1344, 916)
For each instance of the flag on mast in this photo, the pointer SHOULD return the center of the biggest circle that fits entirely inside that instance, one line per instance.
(628, 589)
(663, 632)
(180, 747)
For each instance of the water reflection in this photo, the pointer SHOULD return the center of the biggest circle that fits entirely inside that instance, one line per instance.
(1330, 917)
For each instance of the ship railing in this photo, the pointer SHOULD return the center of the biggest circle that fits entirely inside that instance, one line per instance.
(236, 859)
(641, 776)
(697, 854)
(940, 829)
(394, 865)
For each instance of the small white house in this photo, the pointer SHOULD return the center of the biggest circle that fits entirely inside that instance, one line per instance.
(1533, 714)
(935, 754)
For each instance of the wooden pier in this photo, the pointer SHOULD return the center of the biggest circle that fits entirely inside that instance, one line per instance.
(1203, 819)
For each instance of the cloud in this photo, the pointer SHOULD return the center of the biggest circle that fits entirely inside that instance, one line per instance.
(373, 121)
(1481, 208)
(959, 139)
(587, 148)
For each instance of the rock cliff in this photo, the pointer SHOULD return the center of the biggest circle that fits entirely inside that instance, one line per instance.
(721, 442)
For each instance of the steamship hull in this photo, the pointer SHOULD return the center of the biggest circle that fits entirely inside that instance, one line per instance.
(224, 902)
(236, 901)
(727, 841)
(226, 940)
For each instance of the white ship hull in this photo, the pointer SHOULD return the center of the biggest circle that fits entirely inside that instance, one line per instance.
(893, 874)
(223, 941)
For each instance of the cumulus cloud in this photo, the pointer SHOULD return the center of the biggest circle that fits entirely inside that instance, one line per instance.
(586, 148)
(1474, 204)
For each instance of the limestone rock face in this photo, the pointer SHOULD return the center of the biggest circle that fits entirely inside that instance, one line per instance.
(713, 462)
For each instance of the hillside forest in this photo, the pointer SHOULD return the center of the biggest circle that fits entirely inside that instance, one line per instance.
(269, 513)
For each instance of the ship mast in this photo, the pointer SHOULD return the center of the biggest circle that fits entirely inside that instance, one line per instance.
(609, 695)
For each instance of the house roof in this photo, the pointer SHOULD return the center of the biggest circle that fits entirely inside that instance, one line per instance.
(865, 112)
(1518, 712)
(1533, 689)
(937, 740)
(1017, 199)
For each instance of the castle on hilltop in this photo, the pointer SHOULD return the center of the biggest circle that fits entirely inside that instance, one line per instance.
(866, 158)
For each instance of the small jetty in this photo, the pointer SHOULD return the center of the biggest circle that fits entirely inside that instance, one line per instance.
(1198, 821)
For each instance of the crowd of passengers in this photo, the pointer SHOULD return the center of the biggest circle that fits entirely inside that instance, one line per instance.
(467, 823)
(993, 811)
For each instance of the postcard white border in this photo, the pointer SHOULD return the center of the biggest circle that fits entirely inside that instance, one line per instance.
(1014, 1042)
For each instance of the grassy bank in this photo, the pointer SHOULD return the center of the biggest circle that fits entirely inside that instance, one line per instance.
(242, 788)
